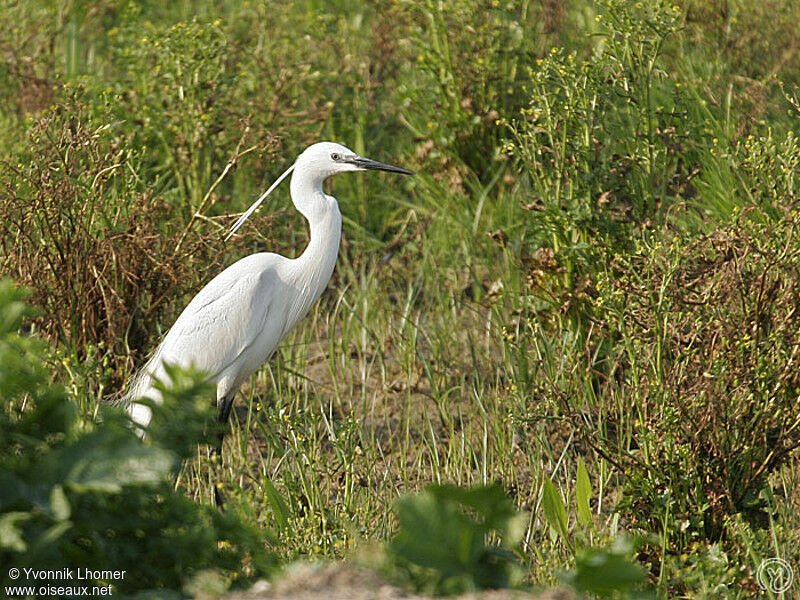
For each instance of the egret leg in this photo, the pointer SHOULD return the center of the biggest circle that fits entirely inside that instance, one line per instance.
(224, 406)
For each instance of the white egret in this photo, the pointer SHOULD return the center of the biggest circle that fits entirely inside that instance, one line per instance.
(233, 325)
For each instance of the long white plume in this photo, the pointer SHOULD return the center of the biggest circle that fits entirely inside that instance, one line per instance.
(256, 204)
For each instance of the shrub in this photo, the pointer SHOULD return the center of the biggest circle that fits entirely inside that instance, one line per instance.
(707, 363)
(441, 545)
(679, 326)
(83, 232)
(79, 494)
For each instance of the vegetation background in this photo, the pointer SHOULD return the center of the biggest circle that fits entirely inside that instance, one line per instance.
(588, 295)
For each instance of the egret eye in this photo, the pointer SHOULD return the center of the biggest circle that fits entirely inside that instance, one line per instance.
(335, 156)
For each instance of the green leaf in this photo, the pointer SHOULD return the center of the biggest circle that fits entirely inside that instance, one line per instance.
(442, 539)
(554, 511)
(493, 508)
(436, 534)
(279, 507)
(105, 461)
(12, 306)
(11, 536)
(49, 537)
(59, 504)
(604, 572)
(583, 493)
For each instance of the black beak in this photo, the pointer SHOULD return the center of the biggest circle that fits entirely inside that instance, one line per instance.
(368, 163)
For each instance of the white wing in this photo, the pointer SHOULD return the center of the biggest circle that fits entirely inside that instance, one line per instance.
(234, 319)
(228, 329)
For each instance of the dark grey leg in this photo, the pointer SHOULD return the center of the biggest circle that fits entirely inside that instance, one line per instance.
(224, 406)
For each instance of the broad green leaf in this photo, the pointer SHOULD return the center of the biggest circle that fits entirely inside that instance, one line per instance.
(492, 506)
(11, 536)
(604, 572)
(444, 530)
(554, 511)
(12, 306)
(435, 534)
(105, 462)
(583, 493)
(279, 507)
(59, 503)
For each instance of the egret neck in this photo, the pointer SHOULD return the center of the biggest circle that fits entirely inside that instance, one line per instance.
(314, 267)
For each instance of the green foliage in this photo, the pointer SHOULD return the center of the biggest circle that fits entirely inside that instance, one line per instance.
(608, 573)
(177, 85)
(716, 347)
(83, 233)
(441, 545)
(278, 505)
(583, 493)
(462, 84)
(554, 512)
(612, 146)
(586, 292)
(76, 493)
(605, 150)
(608, 124)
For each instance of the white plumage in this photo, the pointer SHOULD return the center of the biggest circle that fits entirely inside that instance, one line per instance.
(235, 323)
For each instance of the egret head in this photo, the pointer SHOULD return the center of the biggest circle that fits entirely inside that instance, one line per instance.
(318, 162)
(325, 159)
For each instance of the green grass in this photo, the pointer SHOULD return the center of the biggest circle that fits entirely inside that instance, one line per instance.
(595, 264)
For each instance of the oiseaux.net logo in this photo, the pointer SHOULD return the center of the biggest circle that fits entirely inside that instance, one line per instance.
(775, 575)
